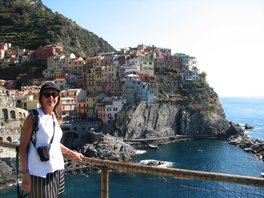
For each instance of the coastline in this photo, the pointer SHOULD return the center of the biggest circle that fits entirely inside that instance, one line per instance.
(249, 145)
(242, 141)
(73, 168)
(144, 143)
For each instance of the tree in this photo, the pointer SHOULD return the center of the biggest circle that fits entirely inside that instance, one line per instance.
(203, 75)
(203, 79)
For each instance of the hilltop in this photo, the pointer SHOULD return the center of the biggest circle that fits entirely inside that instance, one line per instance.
(30, 24)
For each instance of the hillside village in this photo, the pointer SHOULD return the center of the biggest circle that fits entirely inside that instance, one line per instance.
(94, 89)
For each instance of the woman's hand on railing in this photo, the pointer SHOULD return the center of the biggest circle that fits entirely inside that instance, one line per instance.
(79, 157)
(72, 154)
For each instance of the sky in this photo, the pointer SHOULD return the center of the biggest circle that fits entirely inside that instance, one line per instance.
(225, 36)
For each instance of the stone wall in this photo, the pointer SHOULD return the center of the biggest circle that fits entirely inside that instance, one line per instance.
(8, 113)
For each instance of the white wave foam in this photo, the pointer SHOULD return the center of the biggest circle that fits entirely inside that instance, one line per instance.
(140, 152)
(258, 128)
(159, 163)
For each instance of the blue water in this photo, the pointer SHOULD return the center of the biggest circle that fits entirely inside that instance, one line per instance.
(246, 110)
(203, 155)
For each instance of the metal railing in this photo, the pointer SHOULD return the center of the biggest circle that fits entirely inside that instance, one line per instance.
(107, 165)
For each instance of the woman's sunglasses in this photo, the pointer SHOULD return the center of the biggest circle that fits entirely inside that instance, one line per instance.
(53, 94)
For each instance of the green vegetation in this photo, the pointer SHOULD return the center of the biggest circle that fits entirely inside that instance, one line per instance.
(21, 73)
(29, 26)
(203, 81)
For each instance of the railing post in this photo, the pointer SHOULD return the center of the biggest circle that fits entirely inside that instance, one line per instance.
(104, 182)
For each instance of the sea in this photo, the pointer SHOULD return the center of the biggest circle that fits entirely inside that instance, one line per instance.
(202, 155)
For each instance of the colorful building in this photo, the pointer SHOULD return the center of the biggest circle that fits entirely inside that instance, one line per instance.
(108, 108)
(91, 100)
(43, 52)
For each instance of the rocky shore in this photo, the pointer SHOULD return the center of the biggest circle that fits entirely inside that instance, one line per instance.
(253, 146)
(109, 148)
(7, 172)
(106, 148)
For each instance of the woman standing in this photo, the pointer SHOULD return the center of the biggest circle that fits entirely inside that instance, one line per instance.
(44, 179)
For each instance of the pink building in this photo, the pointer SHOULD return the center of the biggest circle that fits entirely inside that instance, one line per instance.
(4, 46)
(106, 60)
(10, 84)
(141, 47)
(43, 52)
(2, 54)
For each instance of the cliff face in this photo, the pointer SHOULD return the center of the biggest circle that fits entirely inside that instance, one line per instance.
(190, 113)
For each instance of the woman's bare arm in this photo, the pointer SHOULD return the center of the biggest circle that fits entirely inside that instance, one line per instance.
(75, 155)
(23, 152)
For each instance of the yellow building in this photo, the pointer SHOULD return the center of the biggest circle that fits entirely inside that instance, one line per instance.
(75, 66)
(94, 80)
(27, 100)
(93, 61)
(109, 73)
(91, 100)
(147, 64)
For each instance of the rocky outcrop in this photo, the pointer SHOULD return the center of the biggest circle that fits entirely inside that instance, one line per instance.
(109, 148)
(7, 171)
(196, 113)
(234, 129)
(248, 127)
(254, 146)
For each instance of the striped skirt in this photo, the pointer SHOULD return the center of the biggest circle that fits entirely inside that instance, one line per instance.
(50, 187)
